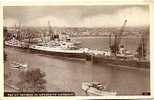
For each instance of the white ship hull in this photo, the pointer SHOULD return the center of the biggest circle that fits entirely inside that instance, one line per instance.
(57, 51)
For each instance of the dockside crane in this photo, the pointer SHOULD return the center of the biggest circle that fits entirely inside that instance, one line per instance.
(117, 39)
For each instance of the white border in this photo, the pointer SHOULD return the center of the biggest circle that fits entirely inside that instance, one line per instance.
(77, 2)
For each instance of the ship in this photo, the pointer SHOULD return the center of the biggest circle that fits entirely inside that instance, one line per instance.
(96, 89)
(62, 49)
(16, 65)
(119, 56)
(16, 43)
(62, 45)
(50, 44)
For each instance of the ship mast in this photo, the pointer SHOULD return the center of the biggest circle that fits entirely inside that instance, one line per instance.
(18, 32)
(141, 48)
(15, 31)
(110, 40)
(50, 31)
(142, 43)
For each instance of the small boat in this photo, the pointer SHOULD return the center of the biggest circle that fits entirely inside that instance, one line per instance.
(96, 89)
(19, 65)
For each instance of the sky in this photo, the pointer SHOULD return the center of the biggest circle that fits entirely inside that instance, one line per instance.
(77, 16)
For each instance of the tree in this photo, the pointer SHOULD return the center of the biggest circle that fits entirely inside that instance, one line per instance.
(5, 32)
(5, 56)
(32, 81)
(7, 35)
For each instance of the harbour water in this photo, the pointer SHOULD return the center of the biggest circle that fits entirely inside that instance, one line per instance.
(102, 43)
(64, 74)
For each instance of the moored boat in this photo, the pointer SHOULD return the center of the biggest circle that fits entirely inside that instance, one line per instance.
(16, 43)
(96, 89)
(16, 65)
(59, 51)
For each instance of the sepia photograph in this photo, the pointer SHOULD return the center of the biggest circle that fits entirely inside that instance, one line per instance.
(76, 50)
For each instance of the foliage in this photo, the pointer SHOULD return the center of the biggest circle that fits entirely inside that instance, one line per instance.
(32, 81)
(7, 35)
(5, 56)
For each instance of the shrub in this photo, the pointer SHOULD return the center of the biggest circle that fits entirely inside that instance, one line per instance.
(32, 81)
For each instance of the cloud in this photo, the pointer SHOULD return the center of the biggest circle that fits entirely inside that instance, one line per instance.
(135, 17)
(79, 16)
(43, 21)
